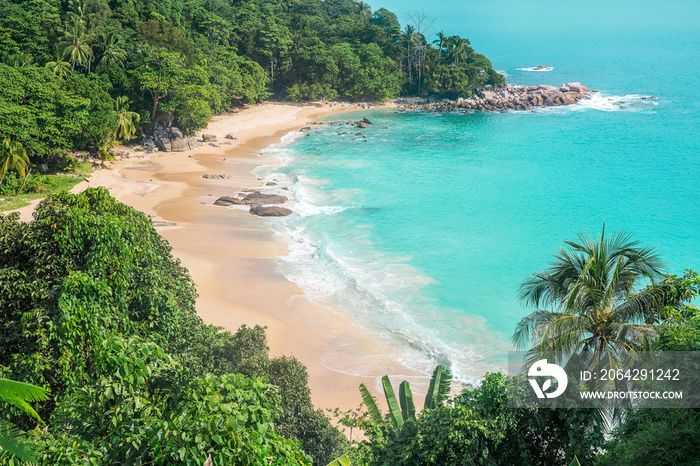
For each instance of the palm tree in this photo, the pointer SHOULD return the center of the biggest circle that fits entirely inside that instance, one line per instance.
(112, 53)
(441, 41)
(408, 37)
(595, 310)
(19, 394)
(18, 60)
(12, 155)
(58, 67)
(364, 11)
(76, 42)
(458, 49)
(126, 120)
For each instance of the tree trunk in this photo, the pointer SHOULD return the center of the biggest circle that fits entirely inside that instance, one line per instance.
(25, 180)
(155, 104)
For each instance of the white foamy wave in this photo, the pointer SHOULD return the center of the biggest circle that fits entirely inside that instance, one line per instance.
(382, 294)
(279, 156)
(616, 103)
(502, 72)
(311, 200)
(536, 68)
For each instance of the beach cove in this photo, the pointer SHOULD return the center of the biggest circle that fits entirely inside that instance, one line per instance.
(230, 253)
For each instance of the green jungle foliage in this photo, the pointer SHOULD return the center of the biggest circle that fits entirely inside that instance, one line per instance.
(78, 74)
(94, 307)
(478, 428)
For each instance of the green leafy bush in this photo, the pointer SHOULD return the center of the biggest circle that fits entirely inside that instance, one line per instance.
(94, 306)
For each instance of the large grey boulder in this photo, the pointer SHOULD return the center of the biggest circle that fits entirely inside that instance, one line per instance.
(574, 87)
(174, 133)
(178, 145)
(231, 136)
(192, 143)
(164, 144)
(208, 137)
(273, 211)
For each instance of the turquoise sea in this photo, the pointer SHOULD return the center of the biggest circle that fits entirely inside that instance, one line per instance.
(422, 231)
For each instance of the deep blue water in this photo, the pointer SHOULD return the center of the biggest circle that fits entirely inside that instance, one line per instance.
(422, 232)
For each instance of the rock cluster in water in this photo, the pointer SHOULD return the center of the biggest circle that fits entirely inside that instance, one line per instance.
(510, 98)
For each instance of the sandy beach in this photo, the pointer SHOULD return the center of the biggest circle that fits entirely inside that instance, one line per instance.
(230, 253)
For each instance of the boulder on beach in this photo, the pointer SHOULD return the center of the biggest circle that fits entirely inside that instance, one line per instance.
(178, 145)
(304, 129)
(164, 144)
(226, 201)
(231, 136)
(174, 133)
(259, 198)
(210, 176)
(208, 137)
(273, 211)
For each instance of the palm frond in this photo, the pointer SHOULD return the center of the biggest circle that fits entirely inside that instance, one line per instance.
(371, 404)
(14, 442)
(395, 415)
(439, 388)
(527, 329)
(20, 394)
(408, 407)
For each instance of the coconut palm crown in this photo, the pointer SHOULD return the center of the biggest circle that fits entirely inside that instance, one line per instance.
(12, 156)
(593, 307)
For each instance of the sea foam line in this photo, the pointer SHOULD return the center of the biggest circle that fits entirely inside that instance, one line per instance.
(617, 103)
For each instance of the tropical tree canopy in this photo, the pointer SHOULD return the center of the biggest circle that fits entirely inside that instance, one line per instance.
(587, 302)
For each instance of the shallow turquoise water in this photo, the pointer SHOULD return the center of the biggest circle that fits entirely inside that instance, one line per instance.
(423, 231)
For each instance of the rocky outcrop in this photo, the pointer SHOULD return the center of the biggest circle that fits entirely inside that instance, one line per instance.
(254, 198)
(169, 139)
(273, 211)
(363, 123)
(304, 129)
(511, 98)
(226, 201)
(259, 198)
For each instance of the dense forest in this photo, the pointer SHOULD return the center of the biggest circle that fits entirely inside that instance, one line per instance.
(96, 312)
(80, 74)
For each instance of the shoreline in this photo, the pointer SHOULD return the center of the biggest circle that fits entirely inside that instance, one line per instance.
(231, 253)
